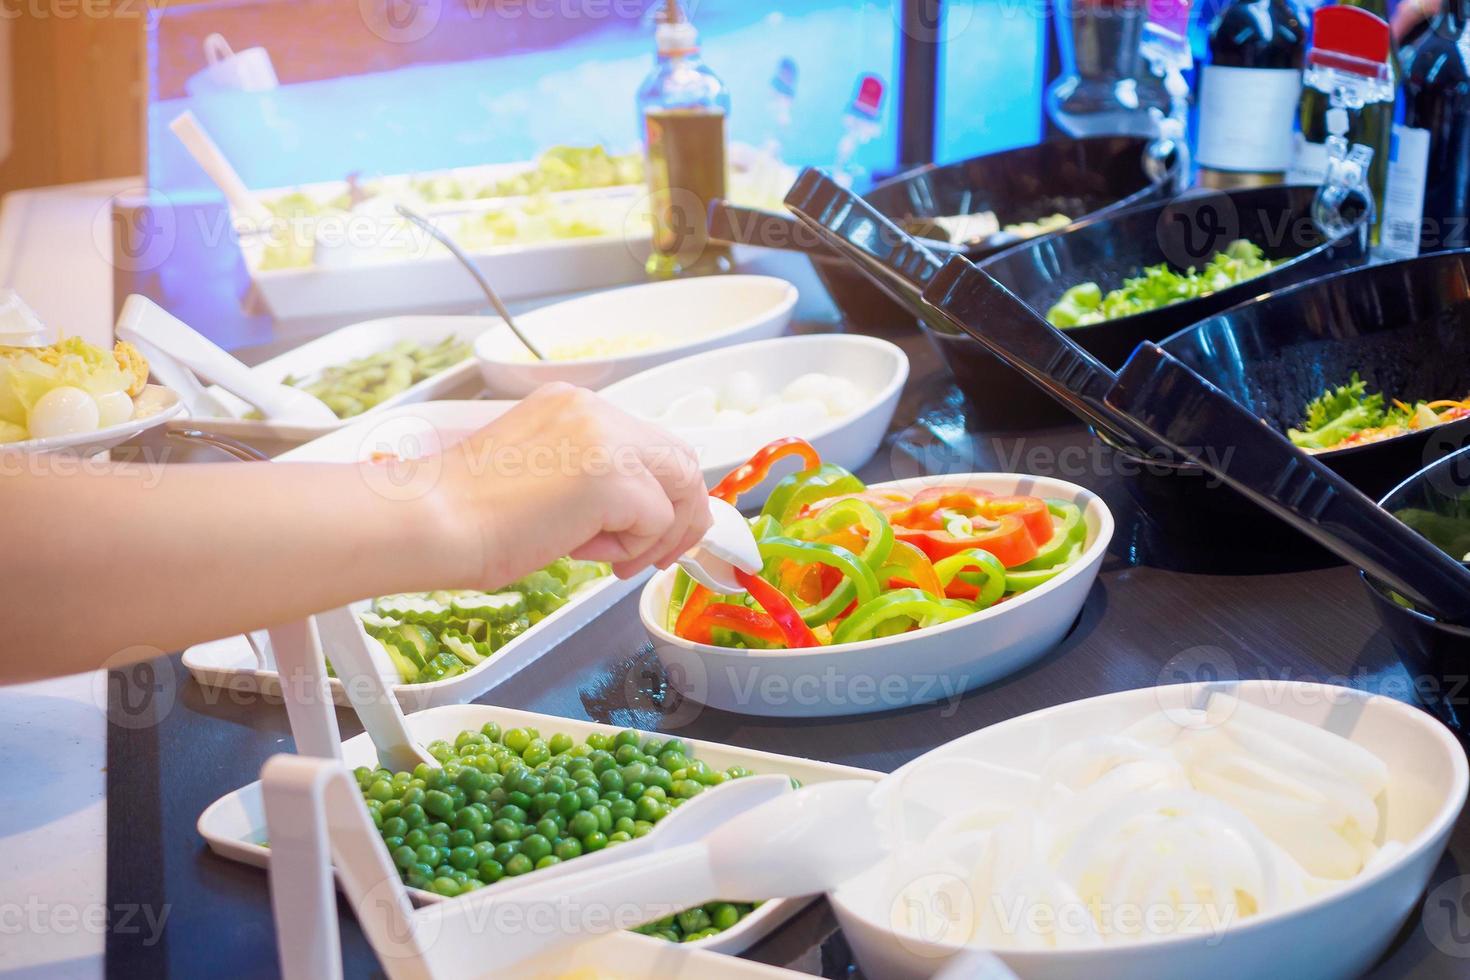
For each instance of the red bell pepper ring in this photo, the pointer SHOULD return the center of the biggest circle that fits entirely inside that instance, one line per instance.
(1032, 511)
(751, 623)
(749, 474)
(1008, 540)
(794, 630)
(883, 501)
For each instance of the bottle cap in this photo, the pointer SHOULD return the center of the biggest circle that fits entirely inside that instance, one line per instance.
(674, 33)
(1350, 39)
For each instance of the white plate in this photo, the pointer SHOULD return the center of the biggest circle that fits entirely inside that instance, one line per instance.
(940, 662)
(1337, 935)
(338, 347)
(878, 368)
(683, 316)
(247, 664)
(155, 406)
(235, 827)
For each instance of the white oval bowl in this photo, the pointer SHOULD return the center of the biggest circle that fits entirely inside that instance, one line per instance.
(686, 315)
(940, 662)
(1340, 934)
(877, 367)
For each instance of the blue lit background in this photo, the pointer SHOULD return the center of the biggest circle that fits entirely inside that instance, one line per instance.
(580, 89)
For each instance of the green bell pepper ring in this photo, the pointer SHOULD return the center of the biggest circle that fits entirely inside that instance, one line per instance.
(1023, 580)
(1056, 550)
(799, 489)
(858, 580)
(843, 514)
(990, 580)
(868, 619)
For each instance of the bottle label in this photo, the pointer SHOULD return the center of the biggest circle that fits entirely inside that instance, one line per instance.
(1308, 161)
(1403, 200)
(1245, 117)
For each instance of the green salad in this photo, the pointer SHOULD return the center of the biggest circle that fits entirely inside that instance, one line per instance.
(506, 803)
(1159, 286)
(431, 636)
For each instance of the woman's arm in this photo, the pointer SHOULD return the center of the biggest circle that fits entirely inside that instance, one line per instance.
(98, 564)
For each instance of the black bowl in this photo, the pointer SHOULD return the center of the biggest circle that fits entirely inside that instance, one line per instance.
(1081, 178)
(1277, 353)
(1436, 503)
(1184, 231)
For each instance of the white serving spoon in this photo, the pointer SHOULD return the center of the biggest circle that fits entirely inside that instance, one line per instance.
(208, 155)
(361, 672)
(728, 545)
(149, 325)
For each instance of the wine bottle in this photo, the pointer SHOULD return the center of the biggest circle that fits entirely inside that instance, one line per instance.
(1248, 93)
(1348, 67)
(1437, 100)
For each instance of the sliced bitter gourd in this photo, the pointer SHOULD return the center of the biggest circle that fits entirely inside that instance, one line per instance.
(441, 666)
(411, 609)
(497, 608)
(408, 671)
(375, 624)
(467, 650)
(414, 641)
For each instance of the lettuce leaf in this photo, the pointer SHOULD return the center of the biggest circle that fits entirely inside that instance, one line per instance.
(28, 373)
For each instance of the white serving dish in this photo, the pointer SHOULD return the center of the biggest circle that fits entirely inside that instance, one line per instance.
(895, 671)
(877, 367)
(1337, 935)
(153, 407)
(247, 664)
(235, 827)
(338, 347)
(517, 272)
(685, 316)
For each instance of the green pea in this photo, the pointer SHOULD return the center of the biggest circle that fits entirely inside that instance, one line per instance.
(619, 837)
(404, 857)
(380, 790)
(545, 803)
(560, 743)
(686, 789)
(438, 803)
(445, 886)
(468, 738)
(504, 852)
(625, 754)
(723, 915)
(582, 824)
(392, 842)
(484, 832)
(568, 804)
(600, 741)
(469, 819)
(414, 838)
(623, 809)
(484, 851)
(491, 731)
(518, 799)
(423, 770)
(627, 737)
(535, 846)
(518, 864)
(516, 740)
(505, 830)
(611, 781)
(512, 812)
(567, 848)
(651, 746)
(548, 828)
(491, 871)
(536, 753)
(603, 815)
(587, 796)
(693, 920)
(594, 841)
(642, 828)
(469, 779)
(623, 825)
(461, 858)
(395, 827)
(412, 796)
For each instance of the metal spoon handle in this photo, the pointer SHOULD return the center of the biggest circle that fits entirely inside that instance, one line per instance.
(234, 447)
(1199, 421)
(474, 271)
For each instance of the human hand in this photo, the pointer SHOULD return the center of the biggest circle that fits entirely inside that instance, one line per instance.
(564, 472)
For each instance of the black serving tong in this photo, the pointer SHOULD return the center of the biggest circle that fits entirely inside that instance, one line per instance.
(964, 297)
(1198, 421)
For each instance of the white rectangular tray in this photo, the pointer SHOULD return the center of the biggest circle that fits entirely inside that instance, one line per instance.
(234, 825)
(462, 380)
(232, 663)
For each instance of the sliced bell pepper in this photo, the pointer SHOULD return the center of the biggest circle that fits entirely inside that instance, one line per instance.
(992, 576)
(1032, 511)
(749, 474)
(801, 489)
(885, 501)
(912, 604)
(749, 623)
(1056, 550)
(877, 533)
(858, 579)
(779, 608)
(696, 601)
(910, 568)
(1007, 540)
